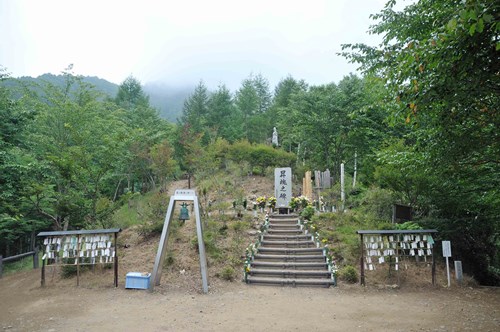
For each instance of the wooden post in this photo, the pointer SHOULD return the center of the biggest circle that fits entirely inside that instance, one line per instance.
(398, 257)
(77, 260)
(1, 266)
(433, 268)
(362, 265)
(116, 261)
(35, 259)
(43, 273)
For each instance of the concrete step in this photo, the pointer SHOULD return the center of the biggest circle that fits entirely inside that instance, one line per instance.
(274, 231)
(284, 221)
(272, 237)
(284, 216)
(290, 251)
(294, 282)
(290, 265)
(288, 258)
(289, 244)
(287, 273)
(284, 226)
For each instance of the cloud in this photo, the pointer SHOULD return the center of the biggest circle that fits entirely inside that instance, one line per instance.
(183, 41)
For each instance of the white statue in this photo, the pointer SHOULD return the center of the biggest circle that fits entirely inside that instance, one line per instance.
(275, 137)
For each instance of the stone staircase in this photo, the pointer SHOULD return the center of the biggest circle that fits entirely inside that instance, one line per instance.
(288, 256)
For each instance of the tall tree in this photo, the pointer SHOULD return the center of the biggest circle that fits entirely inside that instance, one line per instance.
(131, 95)
(253, 101)
(223, 116)
(78, 142)
(440, 62)
(194, 113)
(283, 94)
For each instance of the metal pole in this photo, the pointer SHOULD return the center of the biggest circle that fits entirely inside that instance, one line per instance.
(201, 247)
(156, 276)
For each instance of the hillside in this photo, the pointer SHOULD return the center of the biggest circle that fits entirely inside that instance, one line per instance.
(167, 99)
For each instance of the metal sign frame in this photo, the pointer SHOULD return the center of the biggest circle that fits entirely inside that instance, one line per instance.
(180, 195)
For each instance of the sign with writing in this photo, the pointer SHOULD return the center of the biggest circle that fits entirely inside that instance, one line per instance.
(446, 248)
(283, 186)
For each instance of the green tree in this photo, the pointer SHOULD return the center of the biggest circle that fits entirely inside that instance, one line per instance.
(194, 113)
(130, 94)
(145, 129)
(247, 102)
(253, 100)
(77, 141)
(163, 163)
(223, 116)
(440, 62)
(283, 94)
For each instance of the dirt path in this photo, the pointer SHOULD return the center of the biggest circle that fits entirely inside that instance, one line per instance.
(24, 306)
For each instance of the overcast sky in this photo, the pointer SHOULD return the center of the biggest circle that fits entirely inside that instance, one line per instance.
(183, 41)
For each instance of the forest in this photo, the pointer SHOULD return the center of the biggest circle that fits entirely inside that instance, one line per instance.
(422, 120)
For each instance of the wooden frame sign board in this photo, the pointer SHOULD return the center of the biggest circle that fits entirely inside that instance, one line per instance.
(394, 248)
(83, 247)
(180, 195)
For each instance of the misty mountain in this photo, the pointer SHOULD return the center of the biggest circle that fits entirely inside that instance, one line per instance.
(167, 99)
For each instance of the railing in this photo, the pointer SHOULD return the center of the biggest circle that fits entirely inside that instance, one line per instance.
(17, 257)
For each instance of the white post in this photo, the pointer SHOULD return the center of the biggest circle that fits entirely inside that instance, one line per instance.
(342, 189)
(355, 169)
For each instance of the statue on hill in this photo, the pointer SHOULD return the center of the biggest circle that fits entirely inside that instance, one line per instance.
(274, 140)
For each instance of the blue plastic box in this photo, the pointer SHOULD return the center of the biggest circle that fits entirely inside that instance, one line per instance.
(137, 280)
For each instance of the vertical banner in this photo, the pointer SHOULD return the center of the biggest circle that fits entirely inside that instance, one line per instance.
(283, 186)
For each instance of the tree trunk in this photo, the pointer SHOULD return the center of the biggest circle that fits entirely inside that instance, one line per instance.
(66, 223)
(116, 190)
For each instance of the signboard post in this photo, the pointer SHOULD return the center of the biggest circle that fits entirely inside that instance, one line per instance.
(447, 253)
(283, 187)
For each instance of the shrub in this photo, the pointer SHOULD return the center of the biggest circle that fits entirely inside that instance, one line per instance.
(239, 226)
(349, 274)
(307, 213)
(228, 273)
(377, 202)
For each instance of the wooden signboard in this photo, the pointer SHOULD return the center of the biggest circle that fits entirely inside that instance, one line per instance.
(83, 247)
